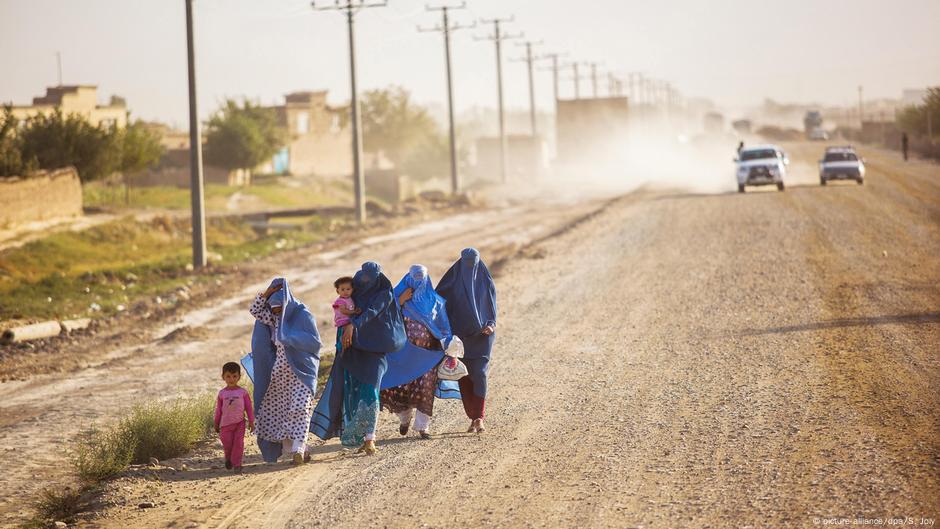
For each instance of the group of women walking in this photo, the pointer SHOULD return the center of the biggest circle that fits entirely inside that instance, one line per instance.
(388, 354)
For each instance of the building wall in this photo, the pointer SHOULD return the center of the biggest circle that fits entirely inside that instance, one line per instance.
(320, 138)
(79, 100)
(57, 194)
(173, 170)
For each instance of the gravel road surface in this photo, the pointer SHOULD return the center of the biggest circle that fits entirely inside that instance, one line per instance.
(662, 360)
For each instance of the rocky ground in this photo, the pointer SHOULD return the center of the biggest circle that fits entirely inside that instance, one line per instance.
(663, 360)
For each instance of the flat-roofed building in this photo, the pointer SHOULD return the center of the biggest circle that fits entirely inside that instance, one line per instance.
(81, 100)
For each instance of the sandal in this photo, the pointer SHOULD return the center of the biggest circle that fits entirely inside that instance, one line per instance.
(298, 458)
(426, 435)
(369, 448)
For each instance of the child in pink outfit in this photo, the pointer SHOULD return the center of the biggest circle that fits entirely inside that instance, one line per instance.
(231, 407)
(344, 307)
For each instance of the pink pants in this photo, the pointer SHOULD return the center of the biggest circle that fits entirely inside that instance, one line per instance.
(233, 441)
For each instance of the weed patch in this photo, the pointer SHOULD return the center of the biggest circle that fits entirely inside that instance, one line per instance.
(58, 505)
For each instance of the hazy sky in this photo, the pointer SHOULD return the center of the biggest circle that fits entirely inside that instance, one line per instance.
(734, 51)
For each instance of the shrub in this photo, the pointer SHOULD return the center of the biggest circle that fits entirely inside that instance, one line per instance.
(166, 430)
(103, 454)
(58, 505)
(161, 430)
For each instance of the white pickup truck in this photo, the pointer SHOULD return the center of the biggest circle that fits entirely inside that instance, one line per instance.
(761, 165)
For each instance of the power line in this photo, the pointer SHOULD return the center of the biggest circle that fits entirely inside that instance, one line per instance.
(498, 37)
(446, 28)
(529, 60)
(351, 7)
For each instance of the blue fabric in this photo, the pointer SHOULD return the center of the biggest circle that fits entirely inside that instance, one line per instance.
(425, 305)
(327, 420)
(447, 389)
(477, 370)
(297, 331)
(409, 363)
(470, 293)
(270, 450)
(360, 410)
(379, 328)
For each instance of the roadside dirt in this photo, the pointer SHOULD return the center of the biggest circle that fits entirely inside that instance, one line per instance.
(663, 360)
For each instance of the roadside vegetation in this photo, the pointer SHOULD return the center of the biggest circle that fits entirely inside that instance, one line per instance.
(155, 431)
(54, 141)
(266, 194)
(921, 121)
(106, 269)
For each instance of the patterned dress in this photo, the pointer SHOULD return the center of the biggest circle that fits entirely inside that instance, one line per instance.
(418, 393)
(287, 405)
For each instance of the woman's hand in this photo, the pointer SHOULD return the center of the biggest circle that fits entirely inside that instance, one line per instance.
(348, 330)
(272, 289)
(405, 296)
(488, 330)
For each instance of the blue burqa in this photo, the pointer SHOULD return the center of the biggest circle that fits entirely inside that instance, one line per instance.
(297, 331)
(471, 305)
(378, 331)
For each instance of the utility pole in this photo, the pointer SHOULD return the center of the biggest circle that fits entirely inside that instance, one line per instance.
(554, 68)
(498, 37)
(446, 28)
(58, 60)
(197, 191)
(593, 66)
(351, 7)
(529, 59)
(861, 108)
(575, 67)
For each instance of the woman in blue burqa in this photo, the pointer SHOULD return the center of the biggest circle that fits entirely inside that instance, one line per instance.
(427, 329)
(285, 354)
(349, 406)
(470, 293)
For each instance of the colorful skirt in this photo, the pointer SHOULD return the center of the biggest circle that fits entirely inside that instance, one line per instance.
(419, 393)
(360, 410)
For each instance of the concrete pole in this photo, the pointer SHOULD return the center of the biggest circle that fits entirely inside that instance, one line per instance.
(594, 79)
(358, 178)
(197, 191)
(577, 82)
(503, 143)
(454, 177)
(555, 76)
(529, 60)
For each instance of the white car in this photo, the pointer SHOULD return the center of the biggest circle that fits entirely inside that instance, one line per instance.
(761, 165)
(841, 163)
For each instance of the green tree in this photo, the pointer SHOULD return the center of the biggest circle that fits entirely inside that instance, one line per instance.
(54, 141)
(138, 147)
(11, 159)
(243, 136)
(913, 119)
(393, 124)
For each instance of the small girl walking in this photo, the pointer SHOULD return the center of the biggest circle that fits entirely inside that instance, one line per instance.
(231, 406)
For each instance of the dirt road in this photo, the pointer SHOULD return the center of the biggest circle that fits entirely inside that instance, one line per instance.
(758, 360)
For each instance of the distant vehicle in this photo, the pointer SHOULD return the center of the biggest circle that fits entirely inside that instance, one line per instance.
(841, 163)
(761, 165)
(812, 125)
(742, 126)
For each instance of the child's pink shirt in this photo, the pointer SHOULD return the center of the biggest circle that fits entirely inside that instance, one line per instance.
(231, 407)
(339, 318)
